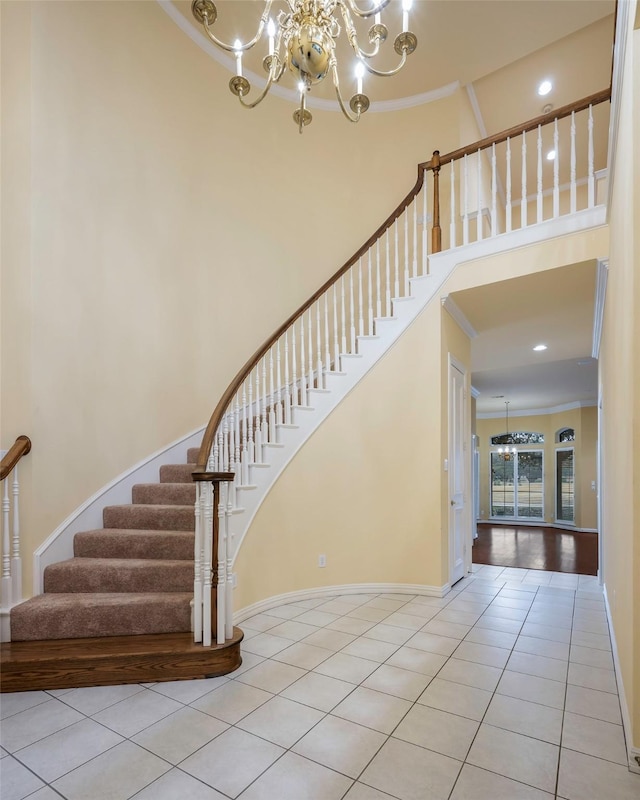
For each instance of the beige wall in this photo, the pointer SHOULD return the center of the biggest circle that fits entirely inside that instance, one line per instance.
(154, 233)
(584, 421)
(620, 381)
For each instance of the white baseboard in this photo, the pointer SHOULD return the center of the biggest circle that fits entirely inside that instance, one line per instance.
(5, 625)
(329, 591)
(633, 753)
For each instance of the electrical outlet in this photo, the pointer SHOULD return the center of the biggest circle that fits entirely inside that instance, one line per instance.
(322, 561)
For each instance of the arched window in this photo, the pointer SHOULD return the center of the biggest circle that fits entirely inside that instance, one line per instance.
(518, 437)
(565, 435)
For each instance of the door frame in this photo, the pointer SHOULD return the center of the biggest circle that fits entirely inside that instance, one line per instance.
(454, 363)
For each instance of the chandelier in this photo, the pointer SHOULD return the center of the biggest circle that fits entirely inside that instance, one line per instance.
(507, 452)
(302, 40)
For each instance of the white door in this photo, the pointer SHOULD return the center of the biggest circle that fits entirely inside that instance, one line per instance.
(457, 473)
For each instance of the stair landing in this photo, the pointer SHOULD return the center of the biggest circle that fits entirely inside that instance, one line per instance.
(71, 663)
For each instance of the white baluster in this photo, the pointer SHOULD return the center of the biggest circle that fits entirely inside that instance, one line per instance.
(228, 603)
(236, 441)
(343, 316)
(406, 252)
(360, 304)
(396, 282)
(479, 231)
(207, 516)
(336, 346)
(259, 441)
(388, 281)
(573, 163)
(215, 453)
(287, 391)
(225, 442)
(16, 561)
(264, 424)
(352, 311)
(272, 406)
(508, 199)
(591, 184)
(250, 441)
(465, 215)
(320, 384)
(279, 414)
(221, 566)
(539, 176)
(523, 205)
(378, 286)
(303, 366)
(294, 366)
(414, 205)
(197, 566)
(244, 458)
(494, 188)
(327, 349)
(425, 222)
(452, 221)
(370, 296)
(310, 341)
(556, 170)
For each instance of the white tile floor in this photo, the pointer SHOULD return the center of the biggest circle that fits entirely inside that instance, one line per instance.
(503, 690)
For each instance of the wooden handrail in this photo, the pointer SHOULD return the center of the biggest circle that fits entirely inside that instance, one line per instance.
(218, 413)
(434, 165)
(19, 448)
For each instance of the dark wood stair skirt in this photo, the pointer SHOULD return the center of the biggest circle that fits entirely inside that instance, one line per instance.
(104, 661)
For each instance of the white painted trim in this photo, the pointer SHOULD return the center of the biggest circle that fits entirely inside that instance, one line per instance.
(450, 305)
(602, 274)
(632, 751)
(539, 412)
(619, 55)
(560, 522)
(347, 588)
(564, 187)
(59, 545)
(475, 393)
(466, 455)
(5, 624)
(258, 82)
(475, 106)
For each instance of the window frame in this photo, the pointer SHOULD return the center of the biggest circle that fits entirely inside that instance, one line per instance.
(555, 487)
(516, 517)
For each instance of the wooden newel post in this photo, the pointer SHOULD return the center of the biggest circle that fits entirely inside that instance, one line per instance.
(436, 232)
(209, 556)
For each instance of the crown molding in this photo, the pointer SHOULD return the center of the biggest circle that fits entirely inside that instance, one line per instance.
(539, 412)
(258, 81)
(456, 312)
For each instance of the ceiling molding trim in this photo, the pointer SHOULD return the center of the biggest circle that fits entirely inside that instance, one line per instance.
(602, 274)
(475, 393)
(619, 53)
(258, 81)
(539, 412)
(473, 99)
(456, 312)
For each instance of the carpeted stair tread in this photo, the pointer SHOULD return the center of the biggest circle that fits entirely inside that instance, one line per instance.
(130, 543)
(171, 494)
(177, 473)
(151, 516)
(74, 616)
(81, 575)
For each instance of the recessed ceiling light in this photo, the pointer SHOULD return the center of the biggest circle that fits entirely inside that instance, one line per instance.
(551, 155)
(540, 347)
(544, 88)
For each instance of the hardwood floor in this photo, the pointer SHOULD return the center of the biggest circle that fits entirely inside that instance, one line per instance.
(536, 548)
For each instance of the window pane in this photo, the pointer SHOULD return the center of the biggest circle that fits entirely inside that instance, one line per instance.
(565, 486)
(530, 486)
(502, 488)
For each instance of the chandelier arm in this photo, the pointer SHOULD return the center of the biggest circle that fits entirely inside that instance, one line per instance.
(365, 14)
(264, 93)
(231, 48)
(352, 118)
(352, 36)
(389, 73)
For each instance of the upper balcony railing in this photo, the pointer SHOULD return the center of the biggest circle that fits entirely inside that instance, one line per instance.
(492, 187)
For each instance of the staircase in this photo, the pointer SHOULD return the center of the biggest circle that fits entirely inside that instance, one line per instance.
(129, 584)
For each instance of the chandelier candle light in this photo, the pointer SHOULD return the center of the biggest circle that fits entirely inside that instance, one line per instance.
(303, 40)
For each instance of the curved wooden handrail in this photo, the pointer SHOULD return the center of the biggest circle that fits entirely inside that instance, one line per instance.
(434, 164)
(19, 448)
(516, 130)
(218, 413)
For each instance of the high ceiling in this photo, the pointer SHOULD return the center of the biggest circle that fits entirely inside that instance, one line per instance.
(499, 50)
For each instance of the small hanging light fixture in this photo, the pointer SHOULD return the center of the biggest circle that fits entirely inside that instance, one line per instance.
(507, 452)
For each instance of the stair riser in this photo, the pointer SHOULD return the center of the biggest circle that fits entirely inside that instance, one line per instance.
(177, 473)
(170, 494)
(81, 577)
(141, 517)
(173, 545)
